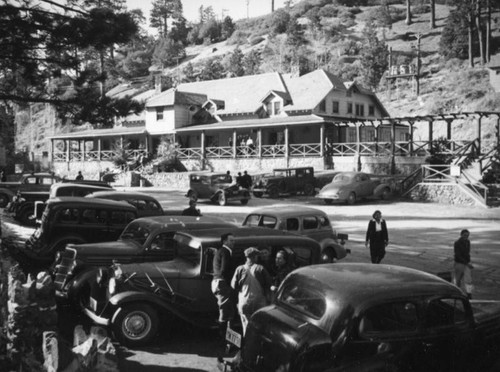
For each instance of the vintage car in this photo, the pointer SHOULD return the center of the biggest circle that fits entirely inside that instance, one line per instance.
(27, 182)
(73, 220)
(131, 298)
(148, 239)
(310, 222)
(75, 188)
(363, 317)
(352, 186)
(285, 181)
(218, 187)
(146, 205)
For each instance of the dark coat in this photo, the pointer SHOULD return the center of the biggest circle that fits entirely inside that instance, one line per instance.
(373, 237)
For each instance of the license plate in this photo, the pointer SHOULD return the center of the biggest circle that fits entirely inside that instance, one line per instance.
(93, 304)
(233, 337)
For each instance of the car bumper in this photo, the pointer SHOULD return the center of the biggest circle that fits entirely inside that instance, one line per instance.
(97, 319)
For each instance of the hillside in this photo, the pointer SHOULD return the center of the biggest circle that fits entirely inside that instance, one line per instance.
(445, 86)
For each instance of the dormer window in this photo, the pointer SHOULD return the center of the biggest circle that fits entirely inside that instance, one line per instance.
(277, 108)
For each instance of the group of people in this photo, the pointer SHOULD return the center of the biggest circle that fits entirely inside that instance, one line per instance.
(247, 287)
(244, 180)
(377, 239)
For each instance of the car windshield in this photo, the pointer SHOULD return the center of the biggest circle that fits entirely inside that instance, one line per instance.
(137, 232)
(222, 178)
(341, 178)
(280, 173)
(188, 249)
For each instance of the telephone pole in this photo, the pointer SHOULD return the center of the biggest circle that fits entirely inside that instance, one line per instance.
(248, 4)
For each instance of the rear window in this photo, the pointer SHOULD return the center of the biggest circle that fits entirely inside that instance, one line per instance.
(445, 312)
(308, 301)
(310, 223)
(260, 221)
(389, 318)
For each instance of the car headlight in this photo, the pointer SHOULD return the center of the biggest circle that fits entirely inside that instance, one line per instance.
(112, 286)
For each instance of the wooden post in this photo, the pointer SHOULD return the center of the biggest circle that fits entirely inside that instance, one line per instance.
(393, 146)
(287, 150)
(322, 140)
(202, 144)
(430, 134)
(358, 148)
(99, 148)
(411, 138)
(259, 143)
(234, 143)
(68, 150)
(448, 134)
(479, 120)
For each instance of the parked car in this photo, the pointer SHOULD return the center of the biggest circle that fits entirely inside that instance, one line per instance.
(28, 182)
(148, 239)
(363, 317)
(131, 298)
(285, 181)
(305, 221)
(146, 205)
(351, 186)
(73, 220)
(218, 187)
(79, 188)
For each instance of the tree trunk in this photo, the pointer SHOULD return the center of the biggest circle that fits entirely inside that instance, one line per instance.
(433, 13)
(469, 29)
(480, 32)
(488, 31)
(272, 6)
(408, 12)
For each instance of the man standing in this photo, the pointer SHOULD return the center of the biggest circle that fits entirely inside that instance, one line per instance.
(377, 237)
(246, 180)
(191, 210)
(79, 177)
(223, 271)
(252, 282)
(463, 266)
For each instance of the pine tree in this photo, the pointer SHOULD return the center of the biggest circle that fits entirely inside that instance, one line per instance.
(235, 67)
(374, 57)
(162, 12)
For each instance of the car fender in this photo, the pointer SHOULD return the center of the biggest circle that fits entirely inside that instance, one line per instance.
(81, 278)
(380, 189)
(340, 251)
(121, 299)
(215, 196)
(7, 192)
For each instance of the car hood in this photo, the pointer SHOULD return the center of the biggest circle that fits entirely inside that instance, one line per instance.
(275, 339)
(119, 248)
(177, 268)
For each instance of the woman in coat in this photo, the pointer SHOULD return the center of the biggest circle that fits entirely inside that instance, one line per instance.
(377, 237)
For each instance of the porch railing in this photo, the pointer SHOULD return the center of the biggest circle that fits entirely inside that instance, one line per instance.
(305, 149)
(273, 151)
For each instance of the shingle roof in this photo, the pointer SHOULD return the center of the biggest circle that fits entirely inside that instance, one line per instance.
(174, 96)
(240, 94)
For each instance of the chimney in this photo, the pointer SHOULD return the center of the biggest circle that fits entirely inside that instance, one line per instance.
(157, 83)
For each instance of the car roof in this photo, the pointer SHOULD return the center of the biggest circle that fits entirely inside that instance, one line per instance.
(185, 221)
(244, 233)
(119, 194)
(208, 174)
(285, 169)
(359, 283)
(64, 185)
(288, 211)
(43, 174)
(78, 201)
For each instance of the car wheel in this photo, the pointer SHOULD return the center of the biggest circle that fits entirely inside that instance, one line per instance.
(386, 194)
(24, 217)
(221, 199)
(274, 193)
(136, 324)
(352, 198)
(309, 189)
(244, 201)
(257, 194)
(4, 200)
(328, 201)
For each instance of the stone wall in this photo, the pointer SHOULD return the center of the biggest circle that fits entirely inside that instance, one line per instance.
(441, 193)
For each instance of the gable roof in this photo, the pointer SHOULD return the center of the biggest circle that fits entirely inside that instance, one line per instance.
(240, 94)
(173, 96)
(308, 90)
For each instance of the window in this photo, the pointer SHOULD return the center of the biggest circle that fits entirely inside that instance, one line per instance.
(349, 107)
(277, 108)
(269, 108)
(335, 107)
(444, 312)
(305, 300)
(371, 110)
(391, 317)
(360, 109)
(324, 221)
(67, 215)
(310, 223)
(322, 106)
(159, 113)
(348, 93)
(292, 224)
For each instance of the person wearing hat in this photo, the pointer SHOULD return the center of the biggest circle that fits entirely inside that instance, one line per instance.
(252, 283)
(191, 210)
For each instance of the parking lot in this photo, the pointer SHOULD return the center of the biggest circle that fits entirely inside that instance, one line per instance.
(421, 237)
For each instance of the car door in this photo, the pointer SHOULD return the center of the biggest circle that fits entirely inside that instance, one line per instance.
(117, 221)
(447, 335)
(364, 185)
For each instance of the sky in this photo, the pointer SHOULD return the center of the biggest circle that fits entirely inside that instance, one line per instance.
(236, 9)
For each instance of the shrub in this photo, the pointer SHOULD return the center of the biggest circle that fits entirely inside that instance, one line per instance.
(239, 37)
(255, 40)
(279, 21)
(329, 10)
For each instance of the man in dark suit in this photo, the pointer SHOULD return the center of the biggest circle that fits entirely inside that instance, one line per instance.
(377, 237)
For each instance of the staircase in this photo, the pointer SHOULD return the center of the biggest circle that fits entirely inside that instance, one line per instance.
(493, 195)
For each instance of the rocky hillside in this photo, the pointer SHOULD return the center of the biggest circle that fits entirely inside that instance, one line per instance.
(445, 86)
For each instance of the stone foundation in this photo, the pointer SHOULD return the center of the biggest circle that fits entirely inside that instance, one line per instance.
(439, 193)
